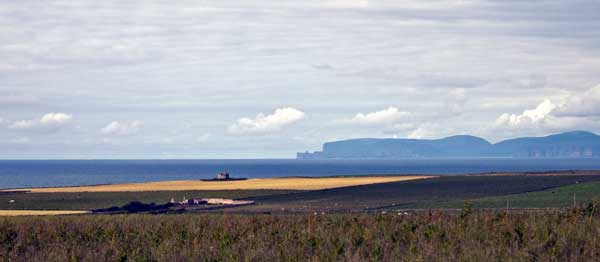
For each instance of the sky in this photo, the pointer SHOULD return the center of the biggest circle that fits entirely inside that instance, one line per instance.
(266, 79)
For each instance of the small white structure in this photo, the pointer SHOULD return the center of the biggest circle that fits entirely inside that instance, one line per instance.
(211, 201)
(223, 176)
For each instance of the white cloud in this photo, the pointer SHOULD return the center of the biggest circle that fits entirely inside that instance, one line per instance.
(575, 111)
(203, 138)
(267, 123)
(429, 130)
(55, 118)
(581, 104)
(47, 123)
(528, 117)
(23, 124)
(122, 128)
(421, 133)
(387, 116)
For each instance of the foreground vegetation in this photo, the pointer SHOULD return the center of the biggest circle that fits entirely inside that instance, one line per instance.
(430, 236)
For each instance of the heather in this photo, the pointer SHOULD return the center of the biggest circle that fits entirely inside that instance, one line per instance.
(568, 235)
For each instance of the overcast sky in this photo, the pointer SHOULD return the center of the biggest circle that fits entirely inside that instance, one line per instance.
(265, 79)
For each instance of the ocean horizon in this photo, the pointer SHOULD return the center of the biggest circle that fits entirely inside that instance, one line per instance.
(53, 173)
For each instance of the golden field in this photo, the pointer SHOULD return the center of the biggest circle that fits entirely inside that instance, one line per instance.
(250, 184)
(40, 212)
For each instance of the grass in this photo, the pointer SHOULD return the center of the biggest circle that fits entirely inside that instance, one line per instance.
(428, 236)
(559, 197)
(250, 184)
(96, 200)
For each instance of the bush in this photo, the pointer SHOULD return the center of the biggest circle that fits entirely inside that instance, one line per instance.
(430, 236)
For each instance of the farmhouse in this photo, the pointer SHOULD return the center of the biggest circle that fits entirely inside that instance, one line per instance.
(223, 176)
(210, 201)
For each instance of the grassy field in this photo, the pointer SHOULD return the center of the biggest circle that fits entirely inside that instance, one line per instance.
(559, 197)
(96, 200)
(295, 183)
(428, 236)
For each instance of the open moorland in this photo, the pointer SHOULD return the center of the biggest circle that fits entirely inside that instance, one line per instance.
(572, 235)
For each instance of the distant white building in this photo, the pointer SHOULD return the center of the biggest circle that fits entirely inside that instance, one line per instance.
(223, 176)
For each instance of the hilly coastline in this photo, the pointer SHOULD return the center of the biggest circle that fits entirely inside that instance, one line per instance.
(574, 144)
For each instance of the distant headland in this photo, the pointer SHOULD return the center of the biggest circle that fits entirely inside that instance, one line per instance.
(575, 144)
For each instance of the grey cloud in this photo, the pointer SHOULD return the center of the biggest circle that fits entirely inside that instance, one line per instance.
(212, 62)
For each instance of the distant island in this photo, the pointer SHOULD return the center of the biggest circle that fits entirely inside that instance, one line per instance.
(575, 144)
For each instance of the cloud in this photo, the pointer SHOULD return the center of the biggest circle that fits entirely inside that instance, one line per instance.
(433, 57)
(122, 128)
(528, 117)
(267, 123)
(203, 138)
(577, 108)
(55, 118)
(386, 116)
(581, 104)
(20, 140)
(455, 102)
(49, 122)
(421, 133)
(577, 111)
(16, 99)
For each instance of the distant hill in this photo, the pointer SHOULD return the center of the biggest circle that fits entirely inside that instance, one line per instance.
(570, 144)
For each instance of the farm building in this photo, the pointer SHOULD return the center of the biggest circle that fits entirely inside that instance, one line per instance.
(210, 201)
(223, 176)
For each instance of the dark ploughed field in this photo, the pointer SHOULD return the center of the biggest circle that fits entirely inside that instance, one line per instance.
(426, 193)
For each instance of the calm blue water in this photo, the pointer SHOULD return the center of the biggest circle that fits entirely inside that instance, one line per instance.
(34, 173)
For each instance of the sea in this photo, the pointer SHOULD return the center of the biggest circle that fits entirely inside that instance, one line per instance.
(52, 173)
